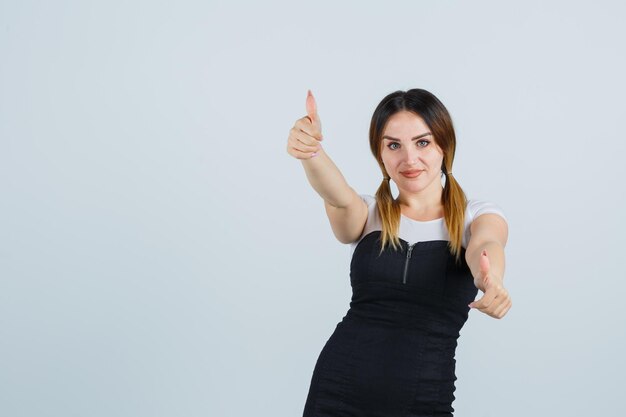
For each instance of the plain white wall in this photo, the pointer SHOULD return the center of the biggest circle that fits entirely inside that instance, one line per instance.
(162, 255)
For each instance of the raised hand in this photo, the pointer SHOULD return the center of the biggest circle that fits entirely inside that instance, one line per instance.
(495, 301)
(305, 135)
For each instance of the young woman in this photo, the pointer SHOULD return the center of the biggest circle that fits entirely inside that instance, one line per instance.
(418, 261)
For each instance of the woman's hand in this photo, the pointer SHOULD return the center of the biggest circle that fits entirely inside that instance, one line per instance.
(305, 135)
(495, 300)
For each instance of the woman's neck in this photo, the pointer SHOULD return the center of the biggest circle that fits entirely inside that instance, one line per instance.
(424, 201)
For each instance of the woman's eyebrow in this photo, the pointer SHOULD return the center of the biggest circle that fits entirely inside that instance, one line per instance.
(416, 137)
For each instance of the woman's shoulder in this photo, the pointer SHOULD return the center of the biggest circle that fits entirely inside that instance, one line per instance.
(476, 207)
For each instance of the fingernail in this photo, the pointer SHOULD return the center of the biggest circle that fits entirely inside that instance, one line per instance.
(313, 154)
(469, 305)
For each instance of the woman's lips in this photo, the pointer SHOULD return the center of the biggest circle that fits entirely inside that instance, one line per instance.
(411, 174)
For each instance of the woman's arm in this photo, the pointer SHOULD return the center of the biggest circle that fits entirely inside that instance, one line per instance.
(327, 180)
(488, 232)
(346, 211)
(485, 258)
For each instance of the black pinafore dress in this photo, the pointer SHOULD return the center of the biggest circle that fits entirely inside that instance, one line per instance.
(392, 355)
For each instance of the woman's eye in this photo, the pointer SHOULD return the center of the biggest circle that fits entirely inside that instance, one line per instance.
(426, 142)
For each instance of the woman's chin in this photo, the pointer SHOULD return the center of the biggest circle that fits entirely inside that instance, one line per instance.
(412, 187)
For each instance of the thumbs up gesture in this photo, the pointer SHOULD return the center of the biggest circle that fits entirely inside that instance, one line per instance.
(306, 134)
(495, 301)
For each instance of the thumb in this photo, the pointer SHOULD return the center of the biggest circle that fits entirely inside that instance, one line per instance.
(311, 112)
(311, 107)
(484, 266)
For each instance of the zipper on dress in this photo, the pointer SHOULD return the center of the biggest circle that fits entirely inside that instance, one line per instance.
(406, 263)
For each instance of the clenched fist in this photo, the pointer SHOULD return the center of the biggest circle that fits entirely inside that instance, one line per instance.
(496, 300)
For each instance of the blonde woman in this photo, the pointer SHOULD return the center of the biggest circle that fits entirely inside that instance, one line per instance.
(417, 264)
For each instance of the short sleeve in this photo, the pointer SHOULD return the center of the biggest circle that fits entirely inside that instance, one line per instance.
(478, 207)
(369, 199)
(474, 209)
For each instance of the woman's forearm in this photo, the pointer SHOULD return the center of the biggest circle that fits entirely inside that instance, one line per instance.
(327, 180)
(495, 252)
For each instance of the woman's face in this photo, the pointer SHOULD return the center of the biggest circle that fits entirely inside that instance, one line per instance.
(410, 155)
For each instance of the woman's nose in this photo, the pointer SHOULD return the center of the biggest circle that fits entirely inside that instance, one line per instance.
(411, 155)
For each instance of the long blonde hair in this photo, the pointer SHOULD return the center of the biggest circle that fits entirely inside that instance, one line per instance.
(437, 118)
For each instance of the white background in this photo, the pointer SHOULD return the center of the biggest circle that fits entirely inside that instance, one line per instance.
(162, 255)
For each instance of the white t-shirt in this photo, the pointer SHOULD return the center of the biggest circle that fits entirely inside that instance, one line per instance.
(419, 231)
